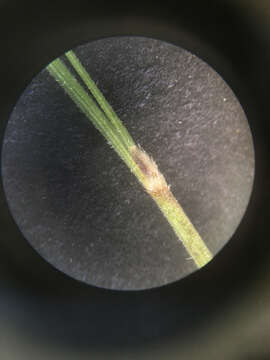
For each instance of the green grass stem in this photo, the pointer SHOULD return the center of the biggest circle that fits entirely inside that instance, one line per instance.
(103, 117)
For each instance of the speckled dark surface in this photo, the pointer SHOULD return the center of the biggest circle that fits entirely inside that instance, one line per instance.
(77, 203)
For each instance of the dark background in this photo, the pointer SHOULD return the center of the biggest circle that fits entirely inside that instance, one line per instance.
(220, 312)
